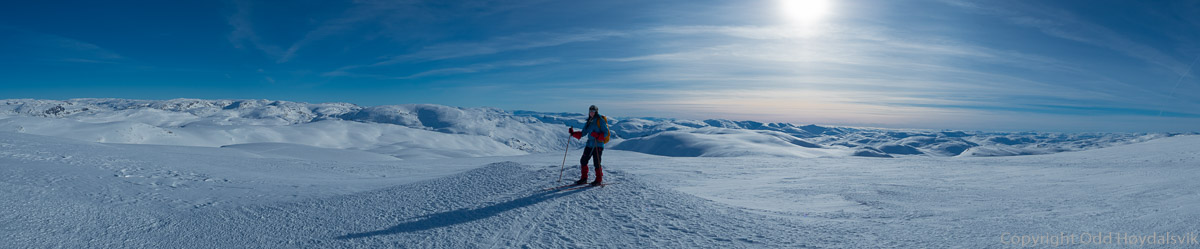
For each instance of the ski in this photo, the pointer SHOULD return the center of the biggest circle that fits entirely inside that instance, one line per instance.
(588, 186)
(562, 187)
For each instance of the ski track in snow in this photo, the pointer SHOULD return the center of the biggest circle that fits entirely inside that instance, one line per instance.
(69, 193)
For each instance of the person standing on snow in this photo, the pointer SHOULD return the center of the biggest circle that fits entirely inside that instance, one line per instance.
(597, 129)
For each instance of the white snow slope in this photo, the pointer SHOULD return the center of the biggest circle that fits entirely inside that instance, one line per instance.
(68, 193)
(403, 131)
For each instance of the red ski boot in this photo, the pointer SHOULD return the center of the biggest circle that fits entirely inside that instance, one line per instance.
(599, 176)
(583, 175)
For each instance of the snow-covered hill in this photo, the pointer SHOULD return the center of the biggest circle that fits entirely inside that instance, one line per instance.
(68, 193)
(404, 131)
(104, 173)
(434, 131)
(722, 142)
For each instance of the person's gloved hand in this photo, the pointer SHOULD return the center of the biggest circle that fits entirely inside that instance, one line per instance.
(597, 135)
(575, 134)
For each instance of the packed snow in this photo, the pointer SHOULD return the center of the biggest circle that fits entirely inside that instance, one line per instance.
(69, 193)
(111, 173)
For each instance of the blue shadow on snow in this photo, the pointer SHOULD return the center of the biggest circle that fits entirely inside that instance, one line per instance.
(460, 216)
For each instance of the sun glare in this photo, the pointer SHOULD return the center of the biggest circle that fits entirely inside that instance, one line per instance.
(804, 12)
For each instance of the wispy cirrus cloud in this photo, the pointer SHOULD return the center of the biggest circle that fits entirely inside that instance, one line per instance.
(364, 20)
(244, 33)
(1066, 25)
(517, 42)
(49, 48)
(83, 52)
(350, 20)
(522, 41)
(467, 69)
(475, 68)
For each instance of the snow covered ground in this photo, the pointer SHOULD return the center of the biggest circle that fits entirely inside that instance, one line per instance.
(111, 173)
(69, 193)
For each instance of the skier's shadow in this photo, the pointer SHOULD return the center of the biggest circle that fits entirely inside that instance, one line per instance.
(460, 216)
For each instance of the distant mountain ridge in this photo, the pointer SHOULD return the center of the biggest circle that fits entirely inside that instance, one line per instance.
(211, 122)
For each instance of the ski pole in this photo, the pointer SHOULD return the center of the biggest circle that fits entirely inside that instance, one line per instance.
(564, 163)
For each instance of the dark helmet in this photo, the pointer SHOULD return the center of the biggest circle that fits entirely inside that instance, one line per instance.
(593, 109)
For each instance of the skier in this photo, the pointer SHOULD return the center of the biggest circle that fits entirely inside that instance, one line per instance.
(597, 130)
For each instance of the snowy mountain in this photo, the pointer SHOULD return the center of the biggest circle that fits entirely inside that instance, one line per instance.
(435, 131)
(404, 131)
(112, 173)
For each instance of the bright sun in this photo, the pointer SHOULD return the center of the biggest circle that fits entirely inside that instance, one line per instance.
(804, 11)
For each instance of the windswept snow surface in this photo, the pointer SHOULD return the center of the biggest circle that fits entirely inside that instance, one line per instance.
(425, 131)
(76, 194)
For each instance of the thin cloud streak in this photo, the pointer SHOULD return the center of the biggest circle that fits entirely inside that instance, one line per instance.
(473, 68)
(1066, 25)
(480, 68)
(95, 53)
(502, 44)
(243, 31)
(517, 42)
(351, 19)
(43, 48)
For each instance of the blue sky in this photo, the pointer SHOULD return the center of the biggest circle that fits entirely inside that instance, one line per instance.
(949, 64)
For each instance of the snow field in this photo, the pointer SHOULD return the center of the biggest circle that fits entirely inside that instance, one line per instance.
(426, 131)
(69, 193)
